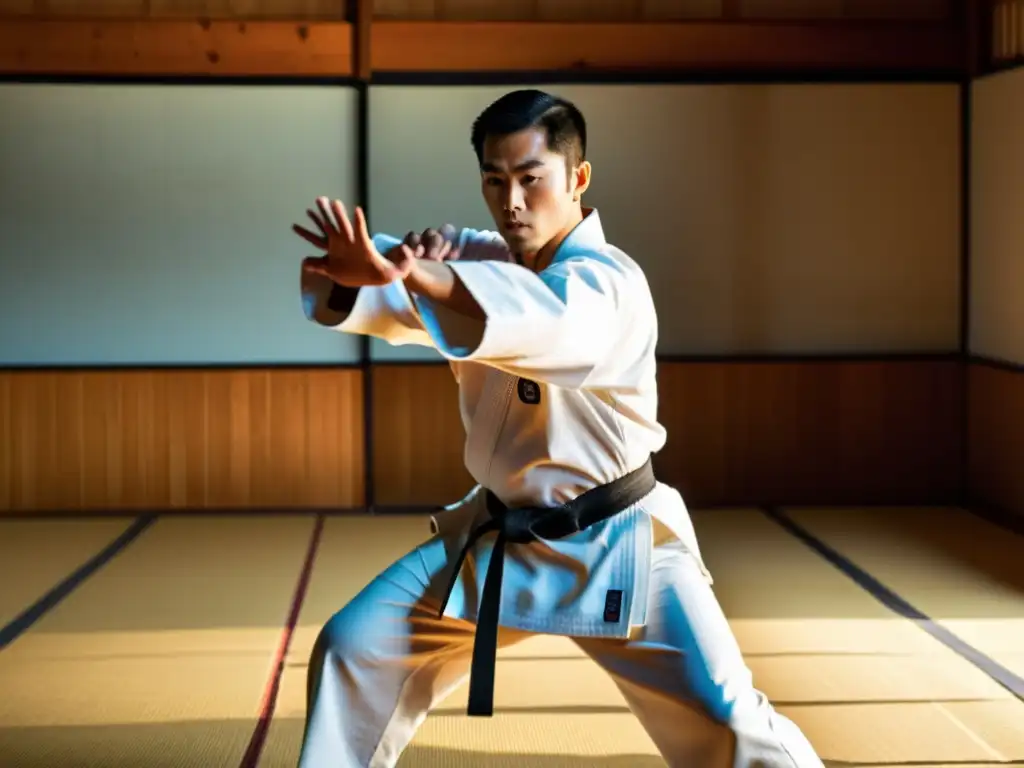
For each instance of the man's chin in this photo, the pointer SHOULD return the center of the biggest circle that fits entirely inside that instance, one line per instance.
(518, 239)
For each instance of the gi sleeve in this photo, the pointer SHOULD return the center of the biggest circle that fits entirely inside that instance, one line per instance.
(583, 321)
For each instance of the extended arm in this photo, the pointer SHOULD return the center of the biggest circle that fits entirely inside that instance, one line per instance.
(385, 311)
(585, 319)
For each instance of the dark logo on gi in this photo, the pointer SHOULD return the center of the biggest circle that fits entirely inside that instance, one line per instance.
(613, 606)
(529, 391)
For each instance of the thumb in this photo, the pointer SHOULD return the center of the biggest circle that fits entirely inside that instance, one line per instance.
(315, 265)
(406, 261)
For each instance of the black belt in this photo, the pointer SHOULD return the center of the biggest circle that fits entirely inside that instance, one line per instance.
(521, 525)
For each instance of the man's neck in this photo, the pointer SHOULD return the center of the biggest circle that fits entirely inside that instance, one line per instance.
(541, 259)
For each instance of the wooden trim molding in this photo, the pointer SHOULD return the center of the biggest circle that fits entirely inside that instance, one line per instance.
(294, 49)
(431, 46)
(173, 48)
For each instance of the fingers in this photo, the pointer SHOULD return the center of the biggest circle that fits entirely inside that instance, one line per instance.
(317, 219)
(341, 216)
(439, 245)
(329, 223)
(335, 217)
(406, 261)
(362, 232)
(432, 241)
(318, 241)
(441, 254)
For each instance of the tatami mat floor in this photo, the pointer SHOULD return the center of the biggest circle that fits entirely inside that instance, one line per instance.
(162, 656)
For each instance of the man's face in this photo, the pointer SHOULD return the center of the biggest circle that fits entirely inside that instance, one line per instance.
(528, 189)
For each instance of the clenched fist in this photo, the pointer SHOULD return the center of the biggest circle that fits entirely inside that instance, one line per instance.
(431, 244)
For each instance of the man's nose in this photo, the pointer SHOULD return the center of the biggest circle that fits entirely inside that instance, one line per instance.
(513, 197)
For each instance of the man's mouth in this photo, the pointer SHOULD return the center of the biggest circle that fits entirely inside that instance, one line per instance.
(515, 226)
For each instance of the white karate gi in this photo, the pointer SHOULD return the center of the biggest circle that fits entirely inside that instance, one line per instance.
(558, 394)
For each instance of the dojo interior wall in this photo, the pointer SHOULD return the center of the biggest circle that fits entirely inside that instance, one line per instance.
(150, 293)
(996, 377)
(780, 226)
(802, 241)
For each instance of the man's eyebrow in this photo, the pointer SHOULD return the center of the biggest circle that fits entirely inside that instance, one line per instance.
(526, 165)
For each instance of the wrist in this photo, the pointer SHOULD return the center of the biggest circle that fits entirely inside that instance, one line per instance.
(429, 278)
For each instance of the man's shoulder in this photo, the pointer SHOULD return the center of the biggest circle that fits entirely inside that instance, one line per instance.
(481, 245)
(608, 258)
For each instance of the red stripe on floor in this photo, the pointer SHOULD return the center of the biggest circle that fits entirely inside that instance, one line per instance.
(269, 700)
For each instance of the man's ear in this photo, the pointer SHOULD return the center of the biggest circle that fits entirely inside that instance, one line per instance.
(581, 177)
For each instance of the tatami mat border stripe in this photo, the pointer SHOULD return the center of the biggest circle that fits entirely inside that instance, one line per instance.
(251, 758)
(27, 618)
(887, 597)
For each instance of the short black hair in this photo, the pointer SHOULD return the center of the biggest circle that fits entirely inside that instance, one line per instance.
(530, 108)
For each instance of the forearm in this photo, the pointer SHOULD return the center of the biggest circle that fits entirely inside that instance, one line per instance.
(439, 283)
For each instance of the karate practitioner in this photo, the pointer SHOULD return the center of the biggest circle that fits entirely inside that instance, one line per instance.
(550, 332)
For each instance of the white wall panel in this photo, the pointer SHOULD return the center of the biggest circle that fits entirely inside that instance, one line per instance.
(150, 225)
(997, 217)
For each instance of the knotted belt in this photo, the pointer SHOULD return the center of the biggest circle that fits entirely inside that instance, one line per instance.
(521, 525)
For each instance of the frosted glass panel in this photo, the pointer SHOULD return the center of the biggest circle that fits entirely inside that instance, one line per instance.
(150, 225)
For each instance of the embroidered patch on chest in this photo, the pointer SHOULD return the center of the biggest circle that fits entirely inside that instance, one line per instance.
(613, 606)
(529, 391)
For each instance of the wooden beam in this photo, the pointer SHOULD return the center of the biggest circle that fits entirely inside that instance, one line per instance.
(695, 47)
(977, 17)
(361, 38)
(175, 48)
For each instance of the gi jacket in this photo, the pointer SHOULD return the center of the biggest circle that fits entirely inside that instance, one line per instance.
(558, 393)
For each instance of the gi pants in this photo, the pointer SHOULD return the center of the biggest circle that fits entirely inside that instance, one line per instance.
(384, 660)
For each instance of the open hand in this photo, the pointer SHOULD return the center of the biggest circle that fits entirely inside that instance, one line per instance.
(351, 258)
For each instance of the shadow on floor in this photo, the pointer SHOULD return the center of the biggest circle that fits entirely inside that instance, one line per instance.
(205, 744)
(435, 757)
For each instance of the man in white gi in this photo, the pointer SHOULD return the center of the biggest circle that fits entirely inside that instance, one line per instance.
(551, 334)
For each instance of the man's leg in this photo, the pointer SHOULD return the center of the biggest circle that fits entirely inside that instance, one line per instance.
(381, 663)
(686, 681)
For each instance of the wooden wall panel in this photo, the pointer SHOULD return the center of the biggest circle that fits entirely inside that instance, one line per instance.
(739, 433)
(417, 436)
(180, 439)
(880, 432)
(996, 437)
